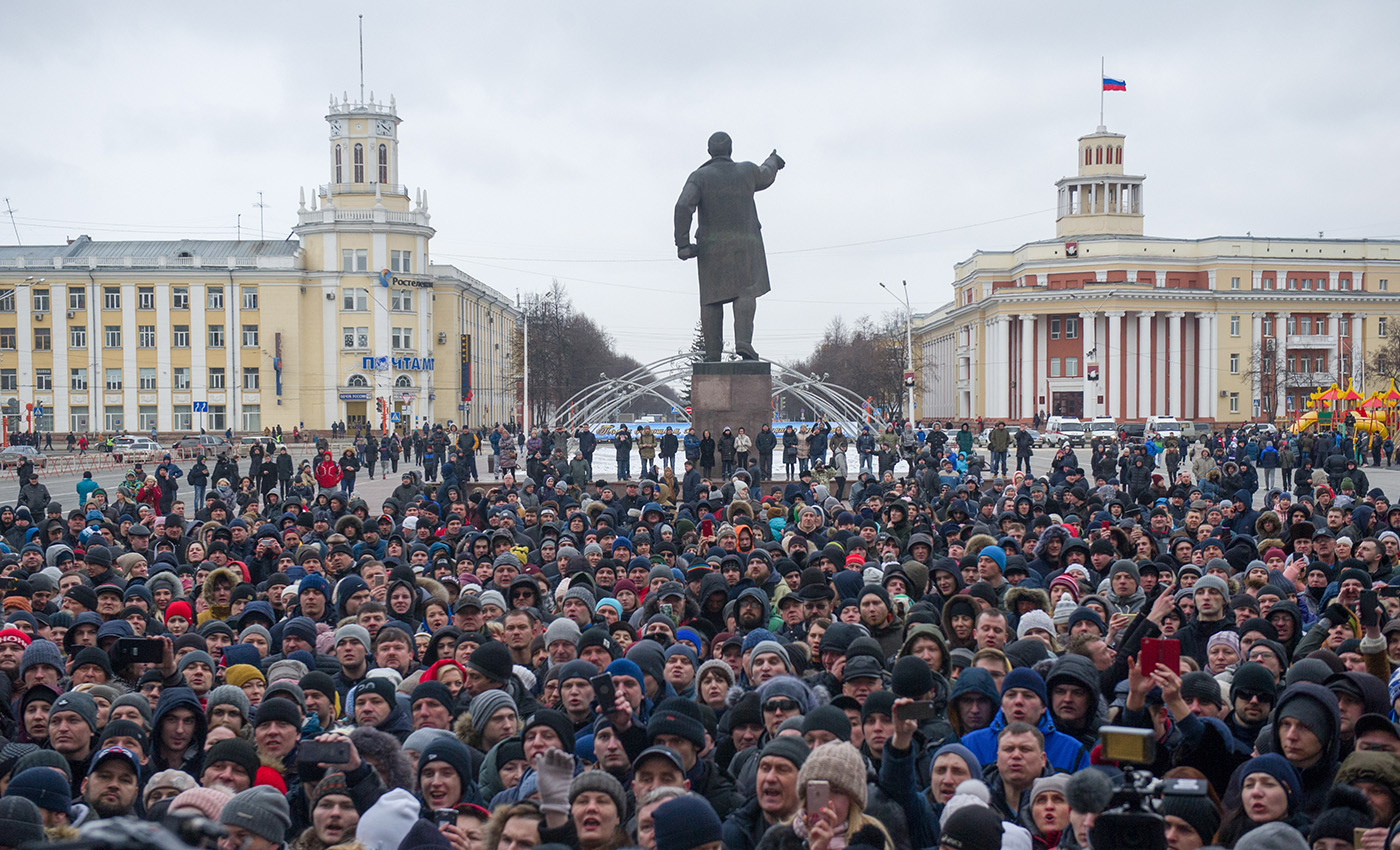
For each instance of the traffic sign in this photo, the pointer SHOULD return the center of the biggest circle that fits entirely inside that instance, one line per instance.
(38, 410)
(200, 407)
(394, 417)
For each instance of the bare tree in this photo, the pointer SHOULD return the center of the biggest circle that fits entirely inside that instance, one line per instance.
(867, 357)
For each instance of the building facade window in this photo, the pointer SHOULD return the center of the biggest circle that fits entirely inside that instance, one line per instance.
(338, 166)
(112, 336)
(250, 378)
(1268, 326)
(1071, 327)
(41, 301)
(1234, 326)
(78, 420)
(216, 378)
(250, 336)
(183, 417)
(179, 298)
(112, 418)
(1054, 367)
(1071, 367)
(383, 163)
(355, 300)
(7, 339)
(9, 380)
(146, 378)
(43, 339)
(146, 418)
(252, 418)
(216, 336)
(43, 380)
(403, 381)
(1234, 402)
(7, 300)
(146, 336)
(354, 259)
(215, 297)
(146, 298)
(218, 417)
(112, 298)
(180, 336)
(1381, 326)
(1054, 327)
(401, 261)
(401, 338)
(77, 336)
(355, 338)
(1235, 364)
(1383, 285)
(112, 380)
(77, 299)
(1344, 326)
(1234, 283)
(180, 375)
(250, 297)
(401, 301)
(78, 379)
(357, 381)
(359, 163)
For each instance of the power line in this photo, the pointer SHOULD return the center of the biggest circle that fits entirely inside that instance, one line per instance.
(11, 211)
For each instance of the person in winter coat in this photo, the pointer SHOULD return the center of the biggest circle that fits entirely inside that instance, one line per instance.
(764, 444)
(743, 444)
(790, 452)
(727, 452)
(668, 448)
(646, 448)
(1024, 698)
(707, 454)
(328, 474)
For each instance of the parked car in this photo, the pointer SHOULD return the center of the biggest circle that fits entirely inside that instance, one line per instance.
(14, 456)
(1132, 431)
(1065, 429)
(246, 443)
(1191, 431)
(140, 448)
(211, 444)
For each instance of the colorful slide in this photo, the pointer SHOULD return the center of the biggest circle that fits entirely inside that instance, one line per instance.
(1363, 422)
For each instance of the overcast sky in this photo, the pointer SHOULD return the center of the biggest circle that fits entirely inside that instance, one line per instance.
(554, 138)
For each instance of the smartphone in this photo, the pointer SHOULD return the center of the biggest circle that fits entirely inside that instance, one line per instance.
(139, 650)
(921, 710)
(442, 816)
(1388, 592)
(818, 795)
(707, 528)
(668, 609)
(603, 691)
(8, 585)
(1160, 651)
(324, 752)
(1358, 837)
(1370, 601)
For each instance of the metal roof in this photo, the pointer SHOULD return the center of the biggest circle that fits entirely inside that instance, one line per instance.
(84, 247)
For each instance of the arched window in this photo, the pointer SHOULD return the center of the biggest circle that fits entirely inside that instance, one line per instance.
(337, 165)
(383, 163)
(357, 381)
(1118, 155)
(1088, 156)
(359, 163)
(403, 381)
(1098, 155)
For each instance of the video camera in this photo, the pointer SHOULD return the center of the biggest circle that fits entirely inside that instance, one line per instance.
(184, 831)
(1133, 819)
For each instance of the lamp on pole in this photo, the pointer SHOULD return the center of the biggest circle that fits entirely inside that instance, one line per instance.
(908, 344)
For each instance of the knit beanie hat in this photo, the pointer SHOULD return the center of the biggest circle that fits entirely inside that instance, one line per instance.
(41, 651)
(80, 704)
(1201, 685)
(196, 657)
(488, 703)
(229, 695)
(717, 666)
(670, 719)
(208, 801)
(773, 647)
(172, 778)
(1063, 609)
(1226, 637)
(972, 827)
(1253, 678)
(333, 785)
(1123, 565)
(1210, 581)
(1278, 767)
(1036, 619)
(829, 719)
(21, 821)
(45, 788)
(261, 811)
(1273, 836)
(792, 748)
(879, 702)
(239, 674)
(911, 678)
(1028, 679)
(278, 709)
(379, 686)
(841, 765)
(1082, 613)
(1198, 811)
(790, 687)
(557, 721)
(685, 822)
(238, 751)
(356, 632)
(492, 660)
(603, 782)
(563, 629)
(455, 755)
(43, 758)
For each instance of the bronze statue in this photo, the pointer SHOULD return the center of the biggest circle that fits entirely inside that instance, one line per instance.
(728, 241)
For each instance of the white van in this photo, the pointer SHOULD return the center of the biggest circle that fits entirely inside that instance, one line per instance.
(1064, 429)
(1103, 428)
(1163, 426)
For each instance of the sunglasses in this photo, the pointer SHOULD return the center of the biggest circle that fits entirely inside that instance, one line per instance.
(1251, 696)
(786, 705)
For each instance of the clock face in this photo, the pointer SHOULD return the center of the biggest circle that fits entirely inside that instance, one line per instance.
(337, 128)
(384, 128)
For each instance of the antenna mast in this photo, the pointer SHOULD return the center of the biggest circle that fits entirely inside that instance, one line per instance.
(11, 211)
(261, 206)
(362, 59)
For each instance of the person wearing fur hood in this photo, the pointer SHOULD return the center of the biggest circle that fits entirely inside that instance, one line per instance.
(218, 594)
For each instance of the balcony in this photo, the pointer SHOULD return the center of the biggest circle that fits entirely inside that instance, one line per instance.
(1328, 341)
(361, 189)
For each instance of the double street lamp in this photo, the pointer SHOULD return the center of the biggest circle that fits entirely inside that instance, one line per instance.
(908, 345)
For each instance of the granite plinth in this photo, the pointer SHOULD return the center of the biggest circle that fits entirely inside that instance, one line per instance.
(731, 395)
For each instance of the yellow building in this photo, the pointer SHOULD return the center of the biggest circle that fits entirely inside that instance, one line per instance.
(190, 334)
(1103, 321)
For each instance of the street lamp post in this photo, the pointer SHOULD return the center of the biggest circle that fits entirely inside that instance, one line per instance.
(908, 342)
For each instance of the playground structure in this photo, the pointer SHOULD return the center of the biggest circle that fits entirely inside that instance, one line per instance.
(1377, 413)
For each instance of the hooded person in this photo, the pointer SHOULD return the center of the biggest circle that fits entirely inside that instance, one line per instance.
(1307, 732)
(177, 740)
(1076, 704)
(1062, 751)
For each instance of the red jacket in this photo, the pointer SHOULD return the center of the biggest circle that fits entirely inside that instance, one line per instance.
(328, 473)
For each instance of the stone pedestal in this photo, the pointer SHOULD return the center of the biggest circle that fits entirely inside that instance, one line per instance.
(731, 395)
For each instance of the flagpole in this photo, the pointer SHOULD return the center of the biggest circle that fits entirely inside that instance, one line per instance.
(1101, 73)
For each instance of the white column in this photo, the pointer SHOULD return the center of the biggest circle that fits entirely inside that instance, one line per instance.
(1358, 348)
(1190, 370)
(1204, 364)
(1028, 366)
(1174, 406)
(1257, 327)
(1159, 363)
(1280, 362)
(1213, 364)
(1144, 364)
(999, 392)
(1113, 358)
(1042, 379)
(1086, 338)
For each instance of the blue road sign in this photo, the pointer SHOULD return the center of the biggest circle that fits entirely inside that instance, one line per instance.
(201, 407)
(394, 417)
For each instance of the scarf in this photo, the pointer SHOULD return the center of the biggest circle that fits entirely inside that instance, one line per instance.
(799, 826)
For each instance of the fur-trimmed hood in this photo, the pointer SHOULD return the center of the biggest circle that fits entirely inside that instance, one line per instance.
(1040, 598)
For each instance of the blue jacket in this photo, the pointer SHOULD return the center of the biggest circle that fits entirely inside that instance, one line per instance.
(1063, 751)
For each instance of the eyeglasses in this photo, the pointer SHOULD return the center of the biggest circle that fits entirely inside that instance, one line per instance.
(1251, 696)
(784, 705)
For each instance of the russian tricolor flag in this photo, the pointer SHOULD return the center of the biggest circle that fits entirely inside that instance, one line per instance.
(1110, 84)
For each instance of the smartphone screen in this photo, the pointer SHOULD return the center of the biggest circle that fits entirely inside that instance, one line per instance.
(1370, 601)
(1156, 651)
(818, 795)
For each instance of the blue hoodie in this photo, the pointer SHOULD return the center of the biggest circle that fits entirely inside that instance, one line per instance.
(1064, 752)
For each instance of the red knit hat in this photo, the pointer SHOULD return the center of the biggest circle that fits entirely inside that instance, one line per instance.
(180, 608)
(268, 776)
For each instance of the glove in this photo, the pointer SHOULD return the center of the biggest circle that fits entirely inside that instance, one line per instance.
(685, 252)
(1336, 614)
(554, 771)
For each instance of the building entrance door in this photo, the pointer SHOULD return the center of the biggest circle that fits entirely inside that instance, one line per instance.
(355, 412)
(1067, 404)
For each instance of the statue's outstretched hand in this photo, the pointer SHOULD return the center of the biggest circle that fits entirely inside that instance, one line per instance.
(781, 161)
(685, 252)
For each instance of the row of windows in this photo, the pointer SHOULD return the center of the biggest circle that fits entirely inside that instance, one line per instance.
(1070, 324)
(112, 337)
(357, 260)
(147, 417)
(112, 379)
(1071, 367)
(358, 338)
(357, 300)
(1306, 325)
(359, 164)
(362, 381)
(1095, 155)
(145, 298)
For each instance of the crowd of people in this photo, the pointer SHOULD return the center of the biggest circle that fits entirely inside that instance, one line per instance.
(922, 656)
